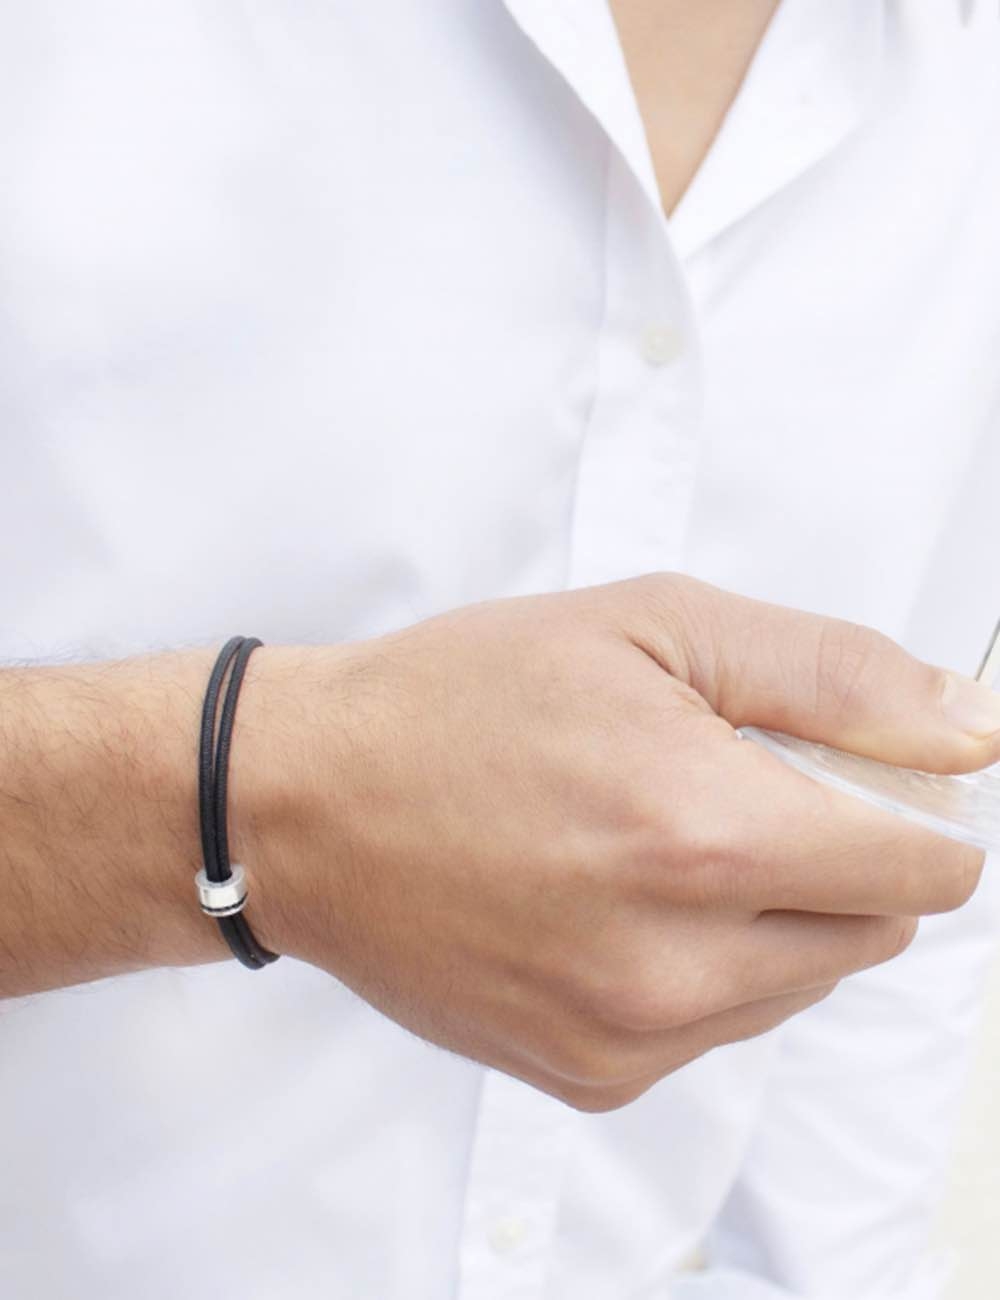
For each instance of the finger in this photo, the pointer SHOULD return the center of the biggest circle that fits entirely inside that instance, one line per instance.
(709, 968)
(743, 829)
(820, 678)
(680, 1047)
(632, 1068)
(748, 961)
(789, 952)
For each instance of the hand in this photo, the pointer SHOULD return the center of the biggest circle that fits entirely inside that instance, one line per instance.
(527, 830)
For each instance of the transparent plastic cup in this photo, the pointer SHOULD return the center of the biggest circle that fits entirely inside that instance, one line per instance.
(965, 808)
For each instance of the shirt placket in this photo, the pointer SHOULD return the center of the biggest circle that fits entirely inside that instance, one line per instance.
(512, 1196)
(635, 478)
(638, 455)
(639, 450)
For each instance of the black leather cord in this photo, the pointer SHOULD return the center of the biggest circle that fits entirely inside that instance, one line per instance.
(213, 779)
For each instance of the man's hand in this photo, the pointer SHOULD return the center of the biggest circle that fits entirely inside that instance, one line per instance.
(527, 830)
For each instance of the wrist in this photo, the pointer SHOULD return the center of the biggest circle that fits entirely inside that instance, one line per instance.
(158, 701)
(276, 770)
(162, 699)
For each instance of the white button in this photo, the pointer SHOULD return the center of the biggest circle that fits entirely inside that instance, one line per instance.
(693, 1262)
(661, 344)
(507, 1234)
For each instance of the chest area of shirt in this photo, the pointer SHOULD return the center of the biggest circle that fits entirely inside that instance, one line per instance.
(431, 313)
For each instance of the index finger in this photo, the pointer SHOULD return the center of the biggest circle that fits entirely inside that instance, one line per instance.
(778, 839)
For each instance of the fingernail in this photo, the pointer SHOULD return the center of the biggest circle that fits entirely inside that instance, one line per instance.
(970, 706)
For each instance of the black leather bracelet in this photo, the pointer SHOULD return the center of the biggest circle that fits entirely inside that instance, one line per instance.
(222, 888)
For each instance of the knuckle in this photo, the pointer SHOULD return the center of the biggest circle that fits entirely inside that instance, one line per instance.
(761, 1017)
(900, 931)
(651, 821)
(586, 1060)
(691, 996)
(849, 665)
(656, 599)
(700, 844)
(648, 993)
(623, 1003)
(960, 878)
(759, 1020)
(601, 1100)
(693, 839)
(822, 992)
(641, 1003)
(675, 611)
(661, 587)
(710, 861)
(587, 1100)
(686, 857)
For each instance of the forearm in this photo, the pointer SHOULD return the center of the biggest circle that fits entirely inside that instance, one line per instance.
(465, 822)
(99, 836)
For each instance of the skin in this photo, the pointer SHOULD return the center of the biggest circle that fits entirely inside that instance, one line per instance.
(686, 62)
(525, 830)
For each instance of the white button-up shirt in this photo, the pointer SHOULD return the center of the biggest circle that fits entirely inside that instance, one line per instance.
(318, 318)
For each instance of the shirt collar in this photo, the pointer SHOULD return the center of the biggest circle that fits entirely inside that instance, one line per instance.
(809, 86)
(580, 40)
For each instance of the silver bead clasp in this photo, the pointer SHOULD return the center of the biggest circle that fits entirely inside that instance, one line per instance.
(222, 897)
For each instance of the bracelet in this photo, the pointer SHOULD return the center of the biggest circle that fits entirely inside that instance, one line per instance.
(221, 886)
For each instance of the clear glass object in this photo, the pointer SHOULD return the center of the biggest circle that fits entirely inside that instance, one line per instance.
(965, 808)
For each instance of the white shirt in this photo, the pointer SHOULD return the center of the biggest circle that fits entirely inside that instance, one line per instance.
(318, 318)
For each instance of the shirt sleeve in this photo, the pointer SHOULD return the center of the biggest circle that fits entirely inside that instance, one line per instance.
(845, 1172)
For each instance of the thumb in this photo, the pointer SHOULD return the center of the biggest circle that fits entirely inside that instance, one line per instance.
(819, 678)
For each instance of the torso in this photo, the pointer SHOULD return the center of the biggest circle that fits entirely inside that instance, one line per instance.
(244, 389)
(687, 62)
